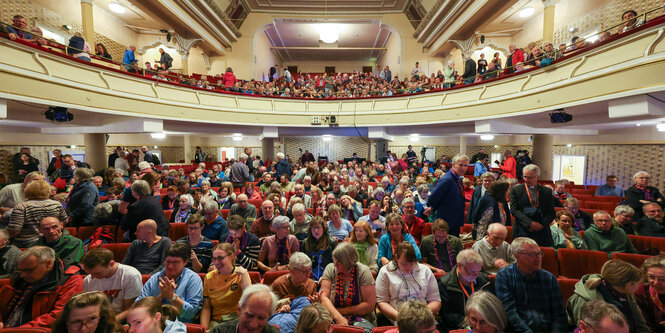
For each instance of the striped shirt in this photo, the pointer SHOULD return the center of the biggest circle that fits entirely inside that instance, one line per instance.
(26, 216)
(249, 250)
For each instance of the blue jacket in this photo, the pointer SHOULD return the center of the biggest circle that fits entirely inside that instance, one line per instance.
(82, 201)
(447, 200)
(479, 169)
(385, 249)
(129, 59)
(283, 168)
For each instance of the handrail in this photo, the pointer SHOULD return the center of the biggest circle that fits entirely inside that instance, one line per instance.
(219, 89)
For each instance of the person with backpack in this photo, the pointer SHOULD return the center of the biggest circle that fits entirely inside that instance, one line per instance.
(165, 60)
(78, 47)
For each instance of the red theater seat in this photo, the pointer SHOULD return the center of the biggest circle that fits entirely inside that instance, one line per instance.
(601, 205)
(576, 263)
(255, 277)
(85, 232)
(168, 213)
(635, 259)
(580, 191)
(509, 235)
(427, 230)
(466, 228)
(177, 231)
(119, 250)
(346, 329)
(71, 230)
(388, 328)
(438, 275)
(3, 282)
(605, 198)
(256, 202)
(644, 243)
(224, 213)
(550, 263)
(468, 245)
(567, 288)
(145, 278)
(195, 328)
(25, 330)
(271, 276)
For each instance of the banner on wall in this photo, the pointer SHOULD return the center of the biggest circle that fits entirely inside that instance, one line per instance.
(570, 167)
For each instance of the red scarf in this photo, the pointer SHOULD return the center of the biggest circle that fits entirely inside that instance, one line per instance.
(656, 300)
(394, 243)
(352, 294)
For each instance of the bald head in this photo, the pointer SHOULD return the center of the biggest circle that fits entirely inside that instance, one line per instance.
(148, 224)
(147, 231)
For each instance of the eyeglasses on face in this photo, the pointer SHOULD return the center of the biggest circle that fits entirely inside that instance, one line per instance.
(78, 324)
(533, 254)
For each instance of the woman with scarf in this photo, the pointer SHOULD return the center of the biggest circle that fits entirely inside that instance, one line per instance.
(492, 207)
(641, 193)
(563, 234)
(318, 246)
(616, 284)
(363, 240)
(651, 296)
(347, 289)
(184, 210)
(276, 249)
(404, 279)
(396, 234)
(225, 197)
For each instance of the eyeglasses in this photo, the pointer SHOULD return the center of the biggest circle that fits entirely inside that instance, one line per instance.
(655, 278)
(533, 254)
(220, 258)
(78, 324)
(173, 262)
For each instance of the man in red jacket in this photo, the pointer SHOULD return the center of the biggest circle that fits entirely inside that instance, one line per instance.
(509, 165)
(38, 291)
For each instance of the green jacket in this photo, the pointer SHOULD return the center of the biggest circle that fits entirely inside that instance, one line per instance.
(67, 247)
(613, 240)
(583, 294)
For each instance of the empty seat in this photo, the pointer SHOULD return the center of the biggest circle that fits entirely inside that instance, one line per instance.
(580, 191)
(645, 243)
(119, 250)
(195, 328)
(600, 205)
(550, 262)
(346, 329)
(256, 202)
(635, 259)
(224, 213)
(575, 263)
(271, 276)
(382, 329)
(177, 231)
(583, 197)
(71, 230)
(255, 277)
(605, 198)
(85, 232)
(567, 288)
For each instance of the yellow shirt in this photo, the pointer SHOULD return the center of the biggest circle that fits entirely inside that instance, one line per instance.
(224, 292)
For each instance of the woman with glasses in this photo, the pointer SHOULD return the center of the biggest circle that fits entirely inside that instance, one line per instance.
(563, 233)
(276, 249)
(484, 313)
(222, 287)
(347, 289)
(616, 284)
(318, 246)
(87, 312)
(456, 287)
(396, 234)
(405, 279)
(651, 296)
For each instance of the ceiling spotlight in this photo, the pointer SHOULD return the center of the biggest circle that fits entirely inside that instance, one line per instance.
(570, 145)
(526, 12)
(661, 127)
(638, 124)
(329, 32)
(66, 27)
(161, 135)
(72, 147)
(237, 137)
(117, 8)
(327, 137)
(496, 146)
(414, 137)
(572, 29)
(487, 137)
(154, 147)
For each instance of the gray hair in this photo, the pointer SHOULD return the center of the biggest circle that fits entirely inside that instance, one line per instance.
(637, 174)
(532, 167)
(141, 188)
(210, 205)
(422, 187)
(205, 182)
(280, 221)
(593, 312)
(519, 242)
(144, 165)
(189, 198)
(469, 256)
(42, 253)
(599, 213)
(496, 226)
(83, 174)
(244, 157)
(103, 210)
(623, 209)
(489, 307)
(407, 200)
(460, 157)
(346, 254)
(488, 175)
(647, 205)
(256, 289)
(300, 261)
(404, 180)
(298, 208)
(280, 155)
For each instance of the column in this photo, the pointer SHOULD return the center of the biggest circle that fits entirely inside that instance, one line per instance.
(381, 148)
(548, 20)
(95, 150)
(542, 154)
(268, 149)
(184, 66)
(88, 24)
(462, 145)
(187, 146)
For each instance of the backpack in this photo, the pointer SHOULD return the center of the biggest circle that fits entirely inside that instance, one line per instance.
(102, 235)
(76, 45)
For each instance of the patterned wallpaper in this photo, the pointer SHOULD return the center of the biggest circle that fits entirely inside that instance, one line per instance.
(37, 15)
(337, 149)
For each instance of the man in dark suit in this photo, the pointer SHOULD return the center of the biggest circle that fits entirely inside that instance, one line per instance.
(532, 205)
(447, 198)
(488, 179)
(113, 157)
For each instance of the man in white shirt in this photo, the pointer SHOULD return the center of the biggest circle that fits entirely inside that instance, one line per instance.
(416, 71)
(122, 283)
(494, 250)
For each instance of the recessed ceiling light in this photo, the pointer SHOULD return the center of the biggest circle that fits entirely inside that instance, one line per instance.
(161, 135)
(117, 8)
(526, 12)
(638, 124)
(327, 137)
(414, 137)
(237, 137)
(570, 145)
(496, 146)
(487, 137)
(661, 127)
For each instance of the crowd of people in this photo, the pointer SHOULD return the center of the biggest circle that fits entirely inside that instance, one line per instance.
(381, 82)
(352, 251)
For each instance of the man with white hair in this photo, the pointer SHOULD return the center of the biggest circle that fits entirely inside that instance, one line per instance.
(282, 167)
(12, 194)
(603, 236)
(295, 284)
(494, 249)
(447, 198)
(530, 295)
(147, 156)
(532, 205)
(256, 306)
(240, 172)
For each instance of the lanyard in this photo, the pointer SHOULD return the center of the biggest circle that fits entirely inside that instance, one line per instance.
(466, 293)
(459, 183)
(528, 193)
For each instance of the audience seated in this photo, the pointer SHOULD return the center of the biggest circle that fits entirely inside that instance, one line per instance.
(276, 249)
(455, 288)
(641, 193)
(184, 209)
(245, 245)
(414, 225)
(649, 296)
(530, 295)
(13, 194)
(23, 225)
(150, 315)
(374, 218)
(563, 233)
(651, 224)
(600, 316)
(256, 306)
(223, 287)
(396, 233)
(87, 312)
(296, 283)
(347, 289)
(484, 313)
(623, 218)
(300, 221)
(244, 209)
(494, 249)
(318, 246)
(439, 250)
(214, 226)
(338, 227)
(120, 283)
(38, 290)
(414, 316)
(366, 245)
(314, 318)
(200, 245)
(175, 284)
(8, 255)
(582, 219)
(603, 236)
(54, 235)
(148, 252)
(261, 227)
